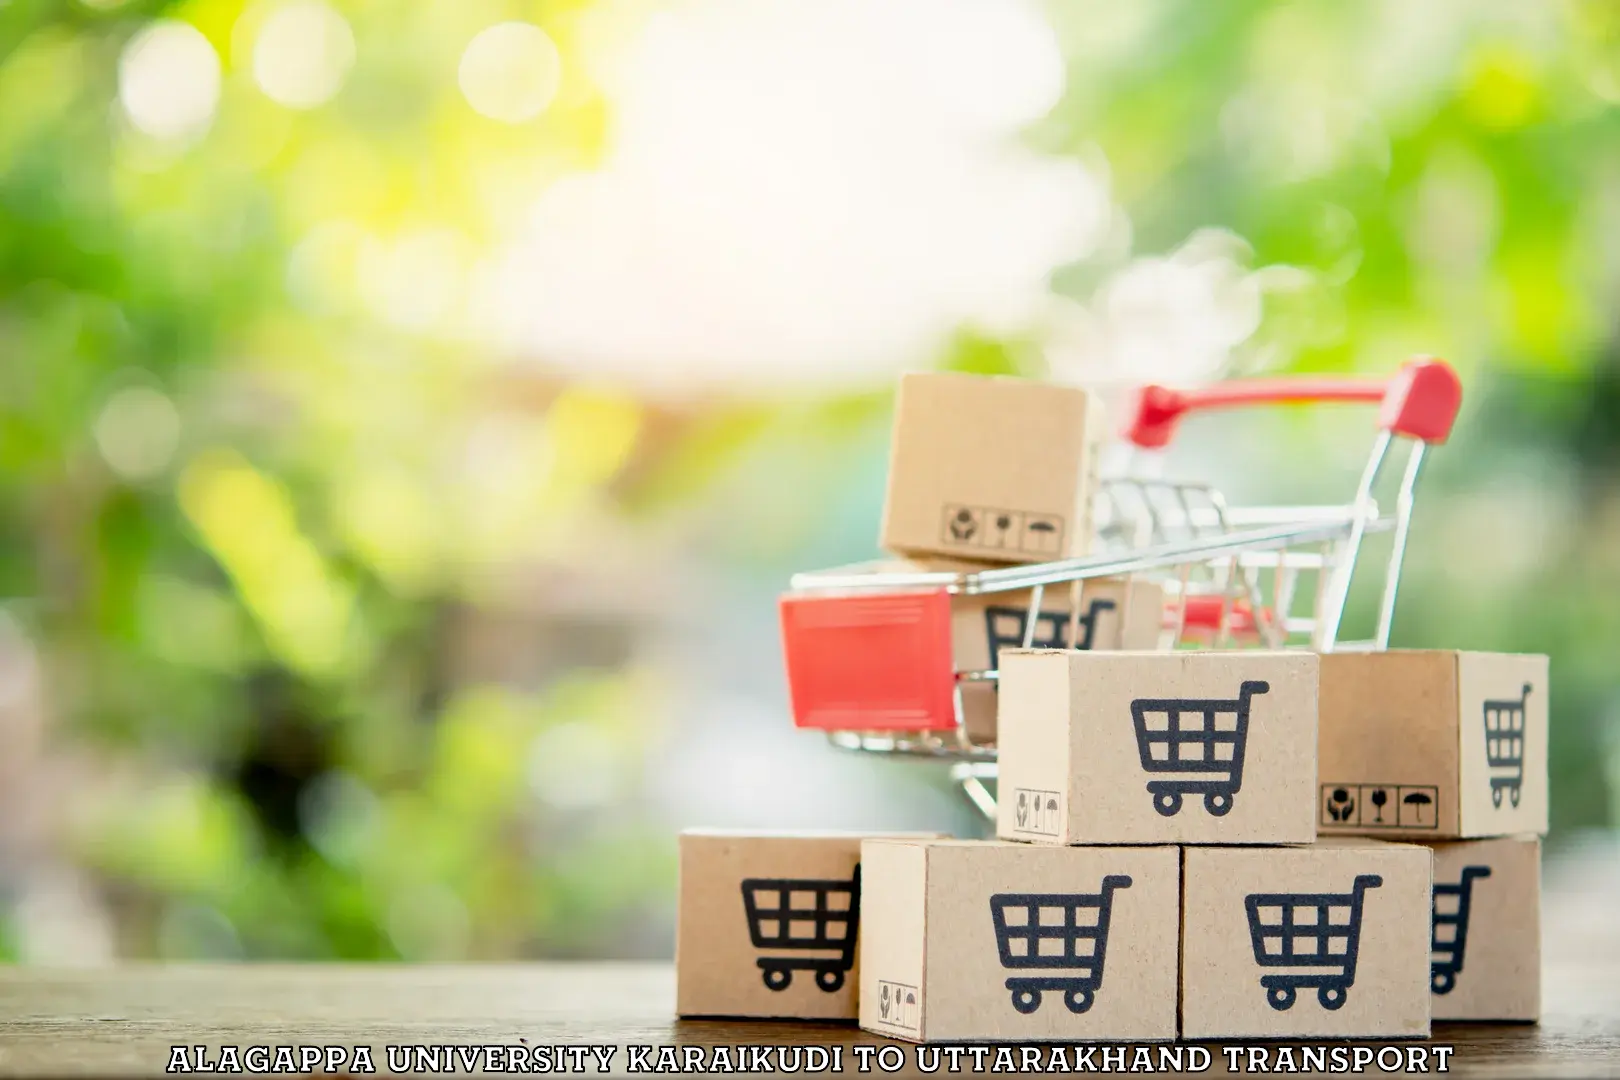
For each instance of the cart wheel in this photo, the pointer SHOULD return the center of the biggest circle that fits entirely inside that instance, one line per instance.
(1078, 1001)
(1167, 803)
(1218, 803)
(1442, 982)
(1496, 796)
(1281, 997)
(1513, 793)
(1026, 1001)
(777, 979)
(829, 979)
(1331, 997)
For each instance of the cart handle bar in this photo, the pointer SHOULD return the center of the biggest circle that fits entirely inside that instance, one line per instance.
(1420, 401)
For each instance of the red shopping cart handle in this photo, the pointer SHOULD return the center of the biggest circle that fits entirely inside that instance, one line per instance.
(1420, 401)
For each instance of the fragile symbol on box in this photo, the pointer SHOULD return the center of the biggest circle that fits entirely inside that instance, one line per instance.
(1504, 746)
(1381, 806)
(994, 529)
(804, 915)
(1201, 739)
(1039, 812)
(897, 1005)
(1313, 932)
(1449, 936)
(1063, 934)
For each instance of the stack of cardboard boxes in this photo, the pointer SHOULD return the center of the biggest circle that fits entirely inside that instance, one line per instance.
(1190, 844)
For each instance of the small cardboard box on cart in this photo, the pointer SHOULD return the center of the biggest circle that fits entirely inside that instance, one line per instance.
(991, 468)
(1433, 744)
(1327, 940)
(1180, 747)
(1486, 942)
(968, 940)
(768, 923)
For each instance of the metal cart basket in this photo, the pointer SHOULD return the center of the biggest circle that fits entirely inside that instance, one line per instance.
(804, 915)
(1064, 934)
(869, 655)
(1504, 746)
(1317, 932)
(1448, 936)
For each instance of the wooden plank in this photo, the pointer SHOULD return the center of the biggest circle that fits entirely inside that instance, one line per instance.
(122, 1021)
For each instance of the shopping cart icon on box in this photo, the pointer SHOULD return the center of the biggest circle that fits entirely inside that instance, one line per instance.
(1504, 746)
(1007, 628)
(808, 916)
(1449, 936)
(1203, 739)
(1065, 934)
(1317, 932)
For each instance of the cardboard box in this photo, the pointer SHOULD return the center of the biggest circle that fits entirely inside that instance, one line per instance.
(1324, 940)
(993, 468)
(1485, 962)
(735, 953)
(1157, 747)
(1432, 745)
(979, 940)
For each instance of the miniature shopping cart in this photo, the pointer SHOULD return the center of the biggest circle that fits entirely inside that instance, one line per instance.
(1504, 746)
(869, 655)
(1062, 935)
(804, 915)
(1317, 932)
(1449, 936)
(1206, 750)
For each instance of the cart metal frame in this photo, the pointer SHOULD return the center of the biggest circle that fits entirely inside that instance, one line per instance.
(868, 654)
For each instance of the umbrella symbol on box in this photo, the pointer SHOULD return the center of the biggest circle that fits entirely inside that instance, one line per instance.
(1416, 801)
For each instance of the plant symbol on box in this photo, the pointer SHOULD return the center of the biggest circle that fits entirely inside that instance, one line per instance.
(1504, 746)
(1191, 737)
(1341, 805)
(825, 925)
(1317, 932)
(1077, 927)
(1448, 935)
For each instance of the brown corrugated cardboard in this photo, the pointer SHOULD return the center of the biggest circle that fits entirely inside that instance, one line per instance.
(1486, 946)
(1325, 940)
(1157, 747)
(993, 468)
(980, 940)
(734, 953)
(1433, 744)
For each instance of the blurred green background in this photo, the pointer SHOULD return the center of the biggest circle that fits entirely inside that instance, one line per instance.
(409, 411)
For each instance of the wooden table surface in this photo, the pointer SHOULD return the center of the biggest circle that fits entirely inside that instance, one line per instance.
(122, 1021)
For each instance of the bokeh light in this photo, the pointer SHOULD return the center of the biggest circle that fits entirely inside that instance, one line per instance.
(137, 432)
(303, 51)
(169, 80)
(510, 72)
